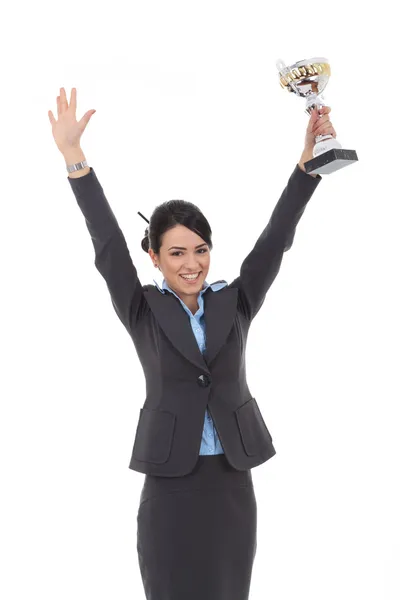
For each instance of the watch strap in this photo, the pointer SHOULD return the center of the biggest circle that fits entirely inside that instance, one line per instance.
(77, 166)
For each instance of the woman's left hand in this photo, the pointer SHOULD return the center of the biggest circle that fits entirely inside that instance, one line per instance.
(319, 124)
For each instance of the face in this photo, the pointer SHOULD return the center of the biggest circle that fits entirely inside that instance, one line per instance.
(183, 252)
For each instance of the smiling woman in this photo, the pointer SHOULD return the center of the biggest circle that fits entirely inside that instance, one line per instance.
(178, 240)
(200, 430)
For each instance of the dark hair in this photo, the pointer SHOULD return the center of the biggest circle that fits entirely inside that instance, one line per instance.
(175, 212)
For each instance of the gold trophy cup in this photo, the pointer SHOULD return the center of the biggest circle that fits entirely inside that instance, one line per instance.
(308, 79)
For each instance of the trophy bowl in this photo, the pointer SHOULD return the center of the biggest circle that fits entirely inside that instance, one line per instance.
(306, 78)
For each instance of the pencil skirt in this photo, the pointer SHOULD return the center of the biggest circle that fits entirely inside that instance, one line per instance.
(197, 534)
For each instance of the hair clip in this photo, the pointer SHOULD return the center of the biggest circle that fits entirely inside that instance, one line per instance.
(139, 213)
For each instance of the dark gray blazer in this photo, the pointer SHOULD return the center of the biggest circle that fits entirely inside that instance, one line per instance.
(180, 381)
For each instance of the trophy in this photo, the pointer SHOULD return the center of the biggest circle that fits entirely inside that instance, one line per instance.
(308, 79)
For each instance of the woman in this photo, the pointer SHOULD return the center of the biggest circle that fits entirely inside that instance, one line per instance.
(200, 431)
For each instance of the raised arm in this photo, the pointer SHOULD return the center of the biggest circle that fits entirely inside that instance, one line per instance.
(262, 264)
(112, 257)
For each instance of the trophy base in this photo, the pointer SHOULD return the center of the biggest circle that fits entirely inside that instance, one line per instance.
(330, 161)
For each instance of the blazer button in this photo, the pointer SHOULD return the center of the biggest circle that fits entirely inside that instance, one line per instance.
(203, 380)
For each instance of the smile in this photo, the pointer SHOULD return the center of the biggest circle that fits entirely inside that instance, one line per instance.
(190, 279)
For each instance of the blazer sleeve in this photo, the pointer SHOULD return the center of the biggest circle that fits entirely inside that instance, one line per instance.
(262, 264)
(112, 258)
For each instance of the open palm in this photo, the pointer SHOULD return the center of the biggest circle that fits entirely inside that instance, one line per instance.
(67, 130)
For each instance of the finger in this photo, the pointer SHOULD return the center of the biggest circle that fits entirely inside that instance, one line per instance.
(320, 125)
(322, 121)
(72, 102)
(58, 107)
(313, 120)
(323, 114)
(86, 118)
(323, 127)
(51, 117)
(324, 130)
(63, 100)
(314, 115)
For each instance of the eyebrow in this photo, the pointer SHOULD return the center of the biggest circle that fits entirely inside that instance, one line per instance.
(183, 248)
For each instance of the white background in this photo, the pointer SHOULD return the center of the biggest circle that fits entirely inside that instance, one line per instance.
(189, 106)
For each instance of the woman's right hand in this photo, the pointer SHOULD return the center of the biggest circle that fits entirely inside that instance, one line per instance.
(67, 130)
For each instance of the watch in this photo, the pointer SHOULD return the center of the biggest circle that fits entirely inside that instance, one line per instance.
(77, 166)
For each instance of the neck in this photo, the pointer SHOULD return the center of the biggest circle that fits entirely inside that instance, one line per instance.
(191, 303)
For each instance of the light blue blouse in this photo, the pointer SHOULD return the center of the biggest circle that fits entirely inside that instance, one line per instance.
(210, 443)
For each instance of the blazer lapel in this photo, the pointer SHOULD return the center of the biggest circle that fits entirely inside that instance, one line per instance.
(219, 313)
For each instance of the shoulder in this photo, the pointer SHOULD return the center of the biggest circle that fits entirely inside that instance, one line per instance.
(219, 281)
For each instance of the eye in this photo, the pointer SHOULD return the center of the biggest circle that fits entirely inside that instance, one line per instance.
(201, 250)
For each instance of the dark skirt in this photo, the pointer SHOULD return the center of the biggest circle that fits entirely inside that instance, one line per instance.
(197, 534)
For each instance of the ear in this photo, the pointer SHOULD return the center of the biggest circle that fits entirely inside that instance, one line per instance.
(153, 257)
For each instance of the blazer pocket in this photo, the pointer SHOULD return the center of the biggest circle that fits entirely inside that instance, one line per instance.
(154, 433)
(252, 427)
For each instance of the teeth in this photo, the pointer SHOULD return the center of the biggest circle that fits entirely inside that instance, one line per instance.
(190, 276)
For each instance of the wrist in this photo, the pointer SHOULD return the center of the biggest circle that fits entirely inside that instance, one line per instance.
(73, 155)
(301, 166)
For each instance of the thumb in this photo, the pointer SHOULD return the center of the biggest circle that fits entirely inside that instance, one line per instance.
(315, 115)
(85, 119)
(313, 119)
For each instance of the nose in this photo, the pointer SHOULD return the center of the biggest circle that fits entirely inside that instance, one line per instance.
(192, 264)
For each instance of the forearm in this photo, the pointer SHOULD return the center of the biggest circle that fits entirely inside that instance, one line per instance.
(112, 257)
(72, 156)
(262, 264)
